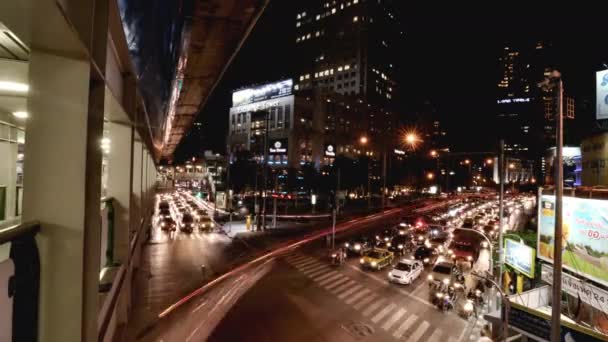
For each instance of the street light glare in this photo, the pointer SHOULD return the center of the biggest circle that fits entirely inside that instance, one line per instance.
(430, 175)
(363, 140)
(466, 161)
(433, 153)
(489, 161)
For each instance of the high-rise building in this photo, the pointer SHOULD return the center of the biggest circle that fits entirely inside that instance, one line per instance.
(347, 55)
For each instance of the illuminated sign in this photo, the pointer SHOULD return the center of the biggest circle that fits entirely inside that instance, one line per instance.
(515, 100)
(255, 107)
(520, 257)
(575, 287)
(261, 93)
(585, 235)
(399, 152)
(601, 89)
(330, 150)
(278, 147)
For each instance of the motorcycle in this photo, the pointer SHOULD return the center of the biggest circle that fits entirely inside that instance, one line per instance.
(338, 257)
(467, 309)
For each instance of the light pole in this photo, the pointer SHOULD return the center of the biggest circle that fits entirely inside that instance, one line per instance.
(363, 140)
(505, 300)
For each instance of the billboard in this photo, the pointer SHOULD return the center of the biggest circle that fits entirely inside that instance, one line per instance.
(261, 93)
(575, 287)
(585, 235)
(520, 257)
(601, 88)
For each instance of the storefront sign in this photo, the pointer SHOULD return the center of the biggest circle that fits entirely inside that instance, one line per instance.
(585, 235)
(520, 257)
(261, 93)
(575, 287)
(330, 150)
(278, 146)
(601, 87)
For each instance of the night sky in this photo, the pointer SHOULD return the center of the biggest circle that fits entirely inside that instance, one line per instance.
(449, 60)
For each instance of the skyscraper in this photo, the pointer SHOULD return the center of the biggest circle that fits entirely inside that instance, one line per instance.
(346, 59)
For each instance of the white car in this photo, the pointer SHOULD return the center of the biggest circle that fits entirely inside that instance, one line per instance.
(405, 271)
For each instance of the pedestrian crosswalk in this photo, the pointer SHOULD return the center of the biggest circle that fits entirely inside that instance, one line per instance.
(159, 236)
(394, 319)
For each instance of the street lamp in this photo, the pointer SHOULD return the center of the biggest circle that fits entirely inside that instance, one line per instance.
(411, 139)
(466, 161)
(511, 166)
(433, 153)
(363, 140)
(430, 176)
(489, 161)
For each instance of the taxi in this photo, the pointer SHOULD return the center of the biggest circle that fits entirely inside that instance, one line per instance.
(376, 259)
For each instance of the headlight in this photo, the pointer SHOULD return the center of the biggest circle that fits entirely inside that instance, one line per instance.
(453, 256)
(362, 261)
(400, 246)
(374, 264)
(401, 232)
(386, 239)
(334, 255)
(390, 274)
(469, 258)
(402, 224)
(446, 281)
(163, 224)
(439, 295)
(420, 238)
(357, 247)
(468, 306)
(426, 260)
(377, 237)
(388, 244)
(430, 277)
(484, 244)
(346, 245)
(450, 251)
(211, 224)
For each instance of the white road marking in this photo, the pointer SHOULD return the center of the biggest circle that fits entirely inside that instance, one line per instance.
(383, 313)
(330, 279)
(394, 318)
(343, 286)
(356, 296)
(404, 326)
(419, 331)
(324, 276)
(302, 262)
(296, 257)
(349, 291)
(364, 301)
(305, 264)
(317, 272)
(372, 307)
(199, 307)
(332, 285)
(311, 268)
(435, 336)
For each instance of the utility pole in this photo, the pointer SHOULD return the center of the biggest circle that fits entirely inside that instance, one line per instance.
(369, 184)
(265, 170)
(384, 178)
(274, 204)
(558, 87)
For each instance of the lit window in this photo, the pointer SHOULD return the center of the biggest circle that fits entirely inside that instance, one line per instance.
(308, 36)
(355, 19)
(318, 16)
(339, 68)
(346, 67)
(298, 24)
(317, 34)
(298, 40)
(355, 1)
(301, 78)
(331, 71)
(333, 10)
(303, 14)
(299, 16)
(307, 76)
(316, 74)
(296, 87)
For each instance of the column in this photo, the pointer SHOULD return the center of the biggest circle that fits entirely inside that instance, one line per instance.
(8, 172)
(62, 191)
(119, 186)
(135, 206)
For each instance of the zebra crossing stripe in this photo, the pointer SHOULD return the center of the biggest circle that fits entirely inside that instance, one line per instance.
(330, 279)
(305, 263)
(311, 268)
(394, 318)
(296, 257)
(332, 285)
(435, 336)
(364, 301)
(325, 276)
(356, 296)
(343, 286)
(372, 307)
(349, 291)
(383, 313)
(404, 326)
(419, 331)
(299, 259)
(317, 272)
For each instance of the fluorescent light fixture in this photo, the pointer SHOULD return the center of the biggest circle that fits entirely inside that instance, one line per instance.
(14, 86)
(20, 114)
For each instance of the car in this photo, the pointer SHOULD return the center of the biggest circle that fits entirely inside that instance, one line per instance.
(442, 272)
(358, 245)
(405, 271)
(490, 231)
(187, 223)
(163, 205)
(459, 250)
(419, 237)
(204, 222)
(426, 255)
(376, 259)
(168, 224)
(468, 223)
(439, 240)
(164, 213)
(384, 238)
(400, 243)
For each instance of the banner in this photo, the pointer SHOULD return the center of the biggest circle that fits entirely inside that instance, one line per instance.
(261, 93)
(520, 257)
(585, 235)
(601, 89)
(575, 287)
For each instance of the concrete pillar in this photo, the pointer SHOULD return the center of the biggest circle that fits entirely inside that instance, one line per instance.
(62, 191)
(119, 186)
(8, 173)
(136, 210)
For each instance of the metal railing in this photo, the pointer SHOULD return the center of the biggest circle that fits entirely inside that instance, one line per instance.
(20, 280)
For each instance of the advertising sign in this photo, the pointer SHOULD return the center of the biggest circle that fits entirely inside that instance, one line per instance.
(601, 79)
(261, 93)
(588, 293)
(520, 257)
(585, 235)
(277, 147)
(330, 150)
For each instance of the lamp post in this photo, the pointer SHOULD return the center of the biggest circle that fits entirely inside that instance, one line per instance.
(363, 141)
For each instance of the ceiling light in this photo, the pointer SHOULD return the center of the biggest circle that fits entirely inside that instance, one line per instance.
(14, 86)
(21, 115)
